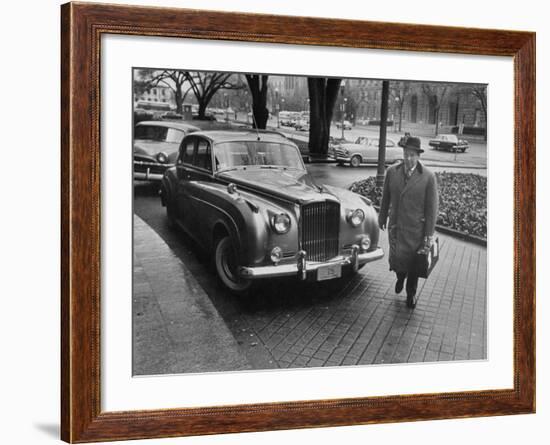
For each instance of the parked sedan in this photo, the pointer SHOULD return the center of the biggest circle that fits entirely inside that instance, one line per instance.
(449, 142)
(156, 146)
(365, 151)
(347, 125)
(247, 197)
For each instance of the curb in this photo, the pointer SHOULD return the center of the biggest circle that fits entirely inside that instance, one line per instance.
(465, 236)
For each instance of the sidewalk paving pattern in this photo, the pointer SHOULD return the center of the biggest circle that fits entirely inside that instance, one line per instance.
(175, 327)
(368, 324)
(355, 322)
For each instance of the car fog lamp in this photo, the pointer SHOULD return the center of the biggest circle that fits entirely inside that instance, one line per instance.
(356, 217)
(162, 158)
(276, 254)
(281, 223)
(365, 243)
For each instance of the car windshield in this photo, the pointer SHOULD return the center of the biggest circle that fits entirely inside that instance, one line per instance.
(449, 137)
(256, 153)
(159, 134)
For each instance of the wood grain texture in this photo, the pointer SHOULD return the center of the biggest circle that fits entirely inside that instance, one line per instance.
(82, 27)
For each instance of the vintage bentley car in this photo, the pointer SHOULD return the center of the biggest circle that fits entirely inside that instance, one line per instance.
(156, 146)
(449, 142)
(246, 196)
(365, 151)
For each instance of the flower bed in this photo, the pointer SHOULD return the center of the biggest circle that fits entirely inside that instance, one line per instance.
(462, 201)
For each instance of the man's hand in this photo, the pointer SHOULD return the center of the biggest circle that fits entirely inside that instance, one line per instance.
(428, 242)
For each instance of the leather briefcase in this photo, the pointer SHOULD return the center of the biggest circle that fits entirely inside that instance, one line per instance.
(426, 261)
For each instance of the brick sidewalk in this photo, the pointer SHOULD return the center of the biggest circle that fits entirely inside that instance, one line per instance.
(367, 323)
(186, 322)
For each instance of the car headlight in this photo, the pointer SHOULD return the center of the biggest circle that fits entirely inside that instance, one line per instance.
(346, 151)
(355, 217)
(281, 223)
(162, 158)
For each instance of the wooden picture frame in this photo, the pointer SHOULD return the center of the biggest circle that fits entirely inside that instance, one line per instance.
(82, 26)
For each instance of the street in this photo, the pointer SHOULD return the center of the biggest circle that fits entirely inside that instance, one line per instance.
(475, 155)
(347, 321)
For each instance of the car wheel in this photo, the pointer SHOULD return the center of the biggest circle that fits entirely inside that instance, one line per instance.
(226, 263)
(355, 161)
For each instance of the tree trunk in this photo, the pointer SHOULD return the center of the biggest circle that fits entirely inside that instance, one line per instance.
(179, 100)
(400, 115)
(202, 108)
(322, 98)
(261, 116)
(258, 89)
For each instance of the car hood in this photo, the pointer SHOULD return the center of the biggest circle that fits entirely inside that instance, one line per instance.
(290, 185)
(353, 147)
(151, 148)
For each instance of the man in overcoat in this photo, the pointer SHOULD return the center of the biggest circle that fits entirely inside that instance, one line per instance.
(410, 200)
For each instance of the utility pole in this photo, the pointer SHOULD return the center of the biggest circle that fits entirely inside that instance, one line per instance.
(343, 105)
(382, 138)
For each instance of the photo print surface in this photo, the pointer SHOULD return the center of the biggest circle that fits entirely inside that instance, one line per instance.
(288, 221)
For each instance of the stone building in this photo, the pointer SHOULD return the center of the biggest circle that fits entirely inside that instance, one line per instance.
(458, 106)
(290, 92)
(157, 97)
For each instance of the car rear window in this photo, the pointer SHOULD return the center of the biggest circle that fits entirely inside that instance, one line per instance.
(202, 157)
(158, 133)
(188, 151)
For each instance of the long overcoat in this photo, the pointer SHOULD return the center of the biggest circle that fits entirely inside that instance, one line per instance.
(412, 207)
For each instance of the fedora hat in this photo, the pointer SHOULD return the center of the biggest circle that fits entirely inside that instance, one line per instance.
(413, 143)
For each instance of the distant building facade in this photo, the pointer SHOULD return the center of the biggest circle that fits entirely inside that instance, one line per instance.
(156, 97)
(459, 105)
(290, 92)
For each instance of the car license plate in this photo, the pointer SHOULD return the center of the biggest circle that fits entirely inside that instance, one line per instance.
(329, 272)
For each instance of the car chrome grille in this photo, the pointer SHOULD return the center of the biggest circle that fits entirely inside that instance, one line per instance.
(320, 228)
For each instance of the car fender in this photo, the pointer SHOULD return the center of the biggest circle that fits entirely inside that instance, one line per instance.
(244, 216)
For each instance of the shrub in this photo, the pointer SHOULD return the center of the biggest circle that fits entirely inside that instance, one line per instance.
(462, 200)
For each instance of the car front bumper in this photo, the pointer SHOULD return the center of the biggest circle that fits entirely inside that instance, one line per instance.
(149, 171)
(302, 267)
(342, 158)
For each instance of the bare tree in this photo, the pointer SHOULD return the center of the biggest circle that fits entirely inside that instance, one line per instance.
(480, 92)
(206, 83)
(435, 92)
(173, 79)
(399, 93)
(258, 89)
(323, 93)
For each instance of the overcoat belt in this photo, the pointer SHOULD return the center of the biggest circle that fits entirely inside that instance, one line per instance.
(411, 203)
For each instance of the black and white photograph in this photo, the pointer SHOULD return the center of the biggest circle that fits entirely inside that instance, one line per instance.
(286, 221)
(275, 223)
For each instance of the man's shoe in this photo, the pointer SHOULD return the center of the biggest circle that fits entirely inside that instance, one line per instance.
(399, 285)
(411, 301)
